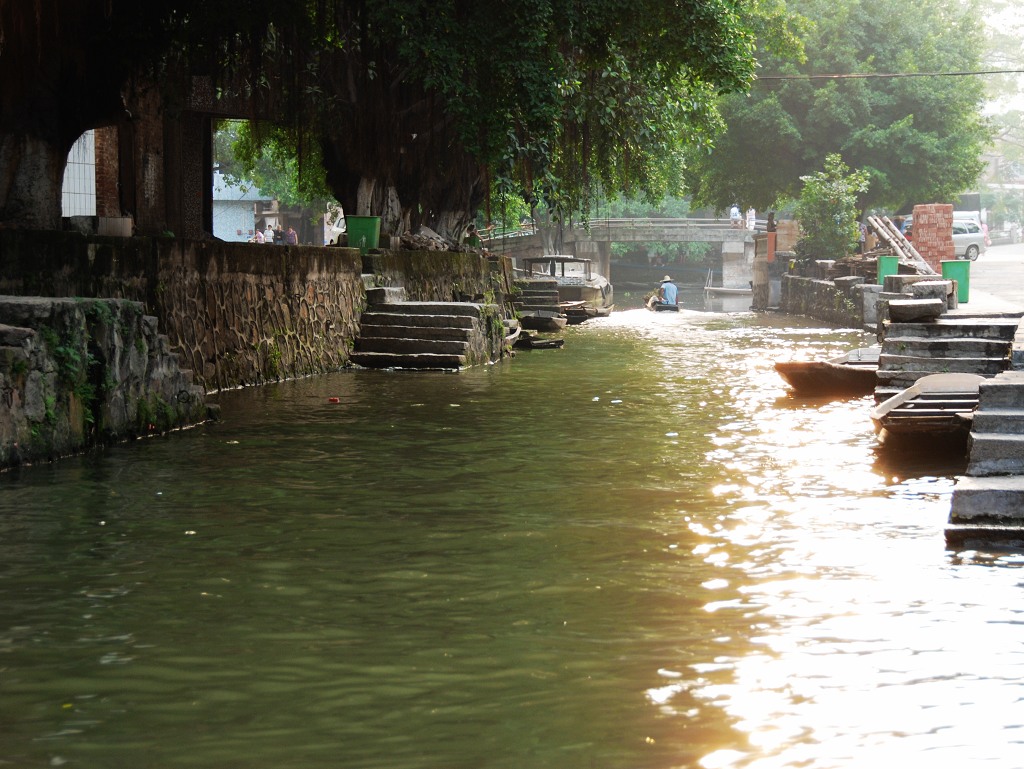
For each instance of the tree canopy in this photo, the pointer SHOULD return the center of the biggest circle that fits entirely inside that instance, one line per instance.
(428, 101)
(417, 105)
(919, 139)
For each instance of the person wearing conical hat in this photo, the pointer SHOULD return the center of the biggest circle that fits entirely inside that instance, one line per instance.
(667, 293)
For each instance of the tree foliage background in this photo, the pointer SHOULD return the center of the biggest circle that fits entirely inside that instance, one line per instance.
(919, 139)
(417, 105)
(827, 210)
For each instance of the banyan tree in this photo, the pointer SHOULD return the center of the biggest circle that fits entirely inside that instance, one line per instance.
(418, 107)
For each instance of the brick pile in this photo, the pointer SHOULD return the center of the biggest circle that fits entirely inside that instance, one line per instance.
(933, 233)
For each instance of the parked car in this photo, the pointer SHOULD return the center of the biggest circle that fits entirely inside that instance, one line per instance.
(968, 240)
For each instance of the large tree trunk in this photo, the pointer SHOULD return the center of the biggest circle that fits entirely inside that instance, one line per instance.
(31, 177)
(390, 150)
(377, 198)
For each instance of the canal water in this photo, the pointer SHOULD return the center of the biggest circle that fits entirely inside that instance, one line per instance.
(638, 551)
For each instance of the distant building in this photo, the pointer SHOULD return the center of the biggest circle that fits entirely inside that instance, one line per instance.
(79, 189)
(234, 208)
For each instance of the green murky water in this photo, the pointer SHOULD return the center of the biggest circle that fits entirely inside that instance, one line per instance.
(637, 551)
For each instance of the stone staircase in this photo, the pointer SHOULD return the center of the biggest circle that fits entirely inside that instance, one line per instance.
(536, 294)
(952, 343)
(988, 502)
(395, 333)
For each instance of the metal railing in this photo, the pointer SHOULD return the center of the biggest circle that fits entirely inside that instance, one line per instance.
(637, 223)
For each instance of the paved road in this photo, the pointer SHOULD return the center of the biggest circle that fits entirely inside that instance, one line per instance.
(998, 277)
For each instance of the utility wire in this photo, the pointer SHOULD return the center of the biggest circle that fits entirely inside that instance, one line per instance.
(874, 75)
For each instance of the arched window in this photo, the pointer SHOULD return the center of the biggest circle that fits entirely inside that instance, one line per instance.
(79, 191)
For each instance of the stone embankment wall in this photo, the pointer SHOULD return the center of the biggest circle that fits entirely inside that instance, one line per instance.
(845, 302)
(77, 372)
(442, 276)
(239, 314)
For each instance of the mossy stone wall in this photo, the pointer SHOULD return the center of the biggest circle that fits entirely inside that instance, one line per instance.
(78, 372)
(237, 313)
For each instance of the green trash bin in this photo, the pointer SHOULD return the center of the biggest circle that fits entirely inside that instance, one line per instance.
(960, 271)
(887, 265)
(363, 232)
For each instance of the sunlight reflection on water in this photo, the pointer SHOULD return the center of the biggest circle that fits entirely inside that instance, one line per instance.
(639, 551)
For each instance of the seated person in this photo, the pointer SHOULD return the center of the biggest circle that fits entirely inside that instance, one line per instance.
(667, 293)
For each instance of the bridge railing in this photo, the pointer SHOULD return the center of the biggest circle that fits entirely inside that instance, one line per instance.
(595, 225)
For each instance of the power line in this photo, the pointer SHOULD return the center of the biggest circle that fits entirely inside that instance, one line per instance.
(878, 75)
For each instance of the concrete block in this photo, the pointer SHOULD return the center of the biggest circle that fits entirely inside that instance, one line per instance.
(901, 310)
(847, 283)
(996, 454)
(997, 500)
(1005, 391)
(957, 327)
(898, 284)
(946, 347)
(984, 536)
(999, 420)
(932, 289)
(868, 300)
(385, 294)
(937, 365)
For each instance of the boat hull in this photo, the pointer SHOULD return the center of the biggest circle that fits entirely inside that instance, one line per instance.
(541, 320)
(854, 373)
(725, 290)
(828, 378)
(936, 406)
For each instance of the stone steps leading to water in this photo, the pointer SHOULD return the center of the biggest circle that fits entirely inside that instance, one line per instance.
(960, 344)
(419, 335)
(956, 328)
(377, 318)
(988, 502)
(389, 331)
(409, 360)
(960, 347)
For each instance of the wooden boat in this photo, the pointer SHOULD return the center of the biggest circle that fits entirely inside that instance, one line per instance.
(575, 279)
(530, 342)
(728, 290)
(851, 374)
(542, 320)
(513, 330)
(579, 311)
(709, 289)
(937, 405)
(658, 307)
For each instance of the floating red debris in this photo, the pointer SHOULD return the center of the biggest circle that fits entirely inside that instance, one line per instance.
(334, 400)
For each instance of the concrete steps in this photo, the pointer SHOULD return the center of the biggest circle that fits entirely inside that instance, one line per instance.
(988, 502)
(953, 348)
(536, 294)
(430, 361)
(949, 344)
(395, 333)
(957, 327)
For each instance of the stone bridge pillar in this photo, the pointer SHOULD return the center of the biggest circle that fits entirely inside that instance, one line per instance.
(737, 263)
(598, 252)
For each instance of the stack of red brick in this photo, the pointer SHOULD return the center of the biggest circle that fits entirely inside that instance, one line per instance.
(933, 233)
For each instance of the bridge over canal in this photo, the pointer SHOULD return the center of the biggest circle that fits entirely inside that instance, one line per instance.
(594, 243)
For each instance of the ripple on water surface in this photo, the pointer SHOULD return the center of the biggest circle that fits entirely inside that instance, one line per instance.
(637, 551)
